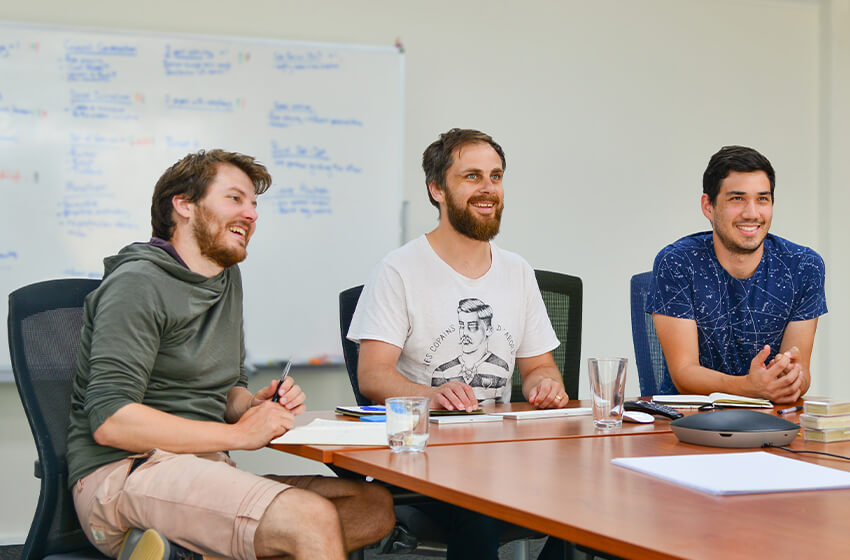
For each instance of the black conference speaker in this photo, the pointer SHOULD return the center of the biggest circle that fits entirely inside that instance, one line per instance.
(734, 428)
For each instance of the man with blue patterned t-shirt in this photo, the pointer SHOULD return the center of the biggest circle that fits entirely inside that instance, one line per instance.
(736, 308)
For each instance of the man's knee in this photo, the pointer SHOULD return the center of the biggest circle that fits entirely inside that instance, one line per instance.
(295, 519)
(319, 515)
(384, 509)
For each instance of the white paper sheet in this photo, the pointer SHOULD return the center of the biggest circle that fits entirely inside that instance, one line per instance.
(332, 432)
(739, 473)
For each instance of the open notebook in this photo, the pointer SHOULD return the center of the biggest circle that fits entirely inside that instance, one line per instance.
(724, 400)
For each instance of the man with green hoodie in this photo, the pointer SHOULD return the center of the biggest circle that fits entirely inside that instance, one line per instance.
(161, 395)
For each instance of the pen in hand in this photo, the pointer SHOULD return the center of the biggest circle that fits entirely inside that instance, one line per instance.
(276, 396)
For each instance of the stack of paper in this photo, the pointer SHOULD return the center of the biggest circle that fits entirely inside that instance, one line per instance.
(333, 432)
(739, 473)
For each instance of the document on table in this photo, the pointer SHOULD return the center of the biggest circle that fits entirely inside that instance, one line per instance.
(739, 473)
(334, 432)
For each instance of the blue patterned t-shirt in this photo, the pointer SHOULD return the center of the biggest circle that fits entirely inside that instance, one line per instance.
(736, 318)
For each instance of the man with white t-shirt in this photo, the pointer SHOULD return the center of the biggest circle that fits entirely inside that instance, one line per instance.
(412, 328)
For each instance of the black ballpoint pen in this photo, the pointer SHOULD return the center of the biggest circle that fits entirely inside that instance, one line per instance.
(276, 396)
(789, 410)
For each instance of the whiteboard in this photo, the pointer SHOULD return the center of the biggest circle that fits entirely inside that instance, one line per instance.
(90, 119)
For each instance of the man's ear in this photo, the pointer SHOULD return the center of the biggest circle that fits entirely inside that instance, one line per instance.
(437, 193)
(707, 208)
(182, 205)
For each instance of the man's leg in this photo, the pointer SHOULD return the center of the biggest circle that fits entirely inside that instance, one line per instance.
(203, 504)
(302, 524)
(365, 510)
(554, 549)
(469, 534)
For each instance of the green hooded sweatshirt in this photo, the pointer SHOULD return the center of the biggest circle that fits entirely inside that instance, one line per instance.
(158, 334)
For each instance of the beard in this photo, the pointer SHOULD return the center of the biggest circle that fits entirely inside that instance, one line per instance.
(466, 223)
(211, 243)
(734, 246)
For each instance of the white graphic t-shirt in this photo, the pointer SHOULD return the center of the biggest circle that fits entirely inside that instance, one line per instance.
(450, 327)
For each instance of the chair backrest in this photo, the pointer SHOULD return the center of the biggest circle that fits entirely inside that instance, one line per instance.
(562, 295)
(652, 367)
(350, 350)
(44, 337)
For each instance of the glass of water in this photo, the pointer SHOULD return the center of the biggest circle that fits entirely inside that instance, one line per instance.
(407, 423)
(607, 386)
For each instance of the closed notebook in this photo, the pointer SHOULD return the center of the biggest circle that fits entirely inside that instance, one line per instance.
(544, 413)
(725, 400)
(825, 406)
(465, 419)
(380, 410)
(824, 422)
(826, 436)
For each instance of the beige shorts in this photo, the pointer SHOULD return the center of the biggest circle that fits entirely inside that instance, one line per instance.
(201, 502)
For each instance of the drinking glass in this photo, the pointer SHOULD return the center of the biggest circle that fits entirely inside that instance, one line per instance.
(607, 386)
(407, 423)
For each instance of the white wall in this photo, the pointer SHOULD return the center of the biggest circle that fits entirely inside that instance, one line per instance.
(832, 216)
(608, 111)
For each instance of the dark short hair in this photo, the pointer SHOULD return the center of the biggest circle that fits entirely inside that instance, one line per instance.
(734, 158)
(191, 176)
(437, 158)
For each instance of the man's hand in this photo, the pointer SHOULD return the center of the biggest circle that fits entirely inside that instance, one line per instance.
(542, 383)
(793, 355)
(454, 395)
(291, 396)
(780, 381)
(548, 394)
(262, 423)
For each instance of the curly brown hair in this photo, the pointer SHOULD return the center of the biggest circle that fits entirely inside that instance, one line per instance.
(191, 176)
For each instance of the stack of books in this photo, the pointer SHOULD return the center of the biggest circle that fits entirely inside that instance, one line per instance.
(825, 419)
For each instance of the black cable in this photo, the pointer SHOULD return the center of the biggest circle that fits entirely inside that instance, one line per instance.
(806, 451)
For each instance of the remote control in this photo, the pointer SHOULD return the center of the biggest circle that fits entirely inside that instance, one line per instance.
(653, 408)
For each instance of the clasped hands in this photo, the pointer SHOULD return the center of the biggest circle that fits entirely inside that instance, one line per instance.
(781, 379)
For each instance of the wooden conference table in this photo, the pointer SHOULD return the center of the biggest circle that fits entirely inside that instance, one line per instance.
(484, 432)
(566, 486)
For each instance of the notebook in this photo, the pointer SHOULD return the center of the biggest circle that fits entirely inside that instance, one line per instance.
(724, 400)
(544, 413)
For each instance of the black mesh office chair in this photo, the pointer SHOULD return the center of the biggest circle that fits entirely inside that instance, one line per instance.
(351, 351)
(562, 295)
(44, 336)
(652, 366)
